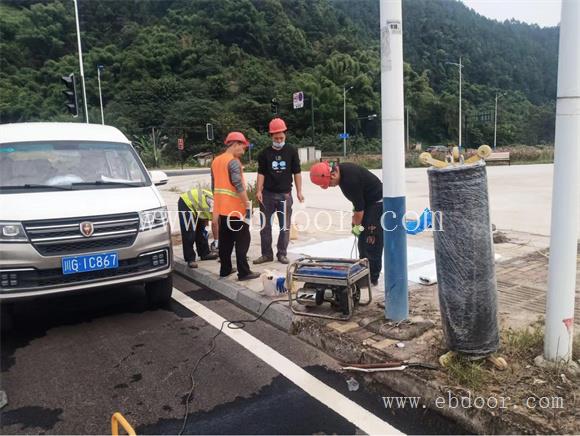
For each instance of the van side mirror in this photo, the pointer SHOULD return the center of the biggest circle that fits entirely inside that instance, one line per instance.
(158, 177)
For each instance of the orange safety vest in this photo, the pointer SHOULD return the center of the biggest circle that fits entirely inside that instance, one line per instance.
(227, 202)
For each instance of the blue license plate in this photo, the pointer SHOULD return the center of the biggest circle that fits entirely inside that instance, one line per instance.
(89, 262)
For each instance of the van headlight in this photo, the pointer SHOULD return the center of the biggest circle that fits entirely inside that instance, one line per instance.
(152, 219)
(12, 232)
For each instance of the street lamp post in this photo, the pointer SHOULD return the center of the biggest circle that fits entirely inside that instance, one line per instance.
(345, 90)
(497, 96)
(460, 66)
(81, 61)
(407, 126)
(99, 69)
(152, 137)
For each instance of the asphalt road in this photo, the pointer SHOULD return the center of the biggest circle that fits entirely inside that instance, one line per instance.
(71, 362)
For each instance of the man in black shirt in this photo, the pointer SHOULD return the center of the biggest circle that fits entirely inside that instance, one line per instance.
(276, 166)
(365, 191)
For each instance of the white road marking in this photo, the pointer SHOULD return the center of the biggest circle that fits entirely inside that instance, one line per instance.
(334, 400)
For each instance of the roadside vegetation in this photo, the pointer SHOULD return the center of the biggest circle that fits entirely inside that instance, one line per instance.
(172, 66)
(524, 383)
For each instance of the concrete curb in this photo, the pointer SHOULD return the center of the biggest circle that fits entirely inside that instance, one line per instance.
(278, 314)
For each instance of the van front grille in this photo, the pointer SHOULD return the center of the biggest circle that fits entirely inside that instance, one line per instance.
(63, 236)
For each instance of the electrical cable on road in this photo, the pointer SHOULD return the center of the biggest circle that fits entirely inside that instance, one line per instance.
(354, 248)
(234, 325)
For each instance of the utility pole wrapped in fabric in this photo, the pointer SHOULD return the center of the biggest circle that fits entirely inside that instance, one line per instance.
(464, 256)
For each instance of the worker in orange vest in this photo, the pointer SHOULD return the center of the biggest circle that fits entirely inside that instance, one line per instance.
(232, 206)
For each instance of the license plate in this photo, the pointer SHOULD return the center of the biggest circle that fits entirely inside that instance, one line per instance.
(89, 262)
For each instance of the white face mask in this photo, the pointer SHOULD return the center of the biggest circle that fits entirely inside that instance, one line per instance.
(278, 145)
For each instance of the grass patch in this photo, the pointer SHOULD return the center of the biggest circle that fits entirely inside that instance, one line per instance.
(467, 373)
(522, 343)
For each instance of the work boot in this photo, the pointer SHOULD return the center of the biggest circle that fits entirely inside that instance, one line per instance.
(192, 264)
(210, 256)
(283, 259)
(263, 259)
(234, 270)
(251, 276)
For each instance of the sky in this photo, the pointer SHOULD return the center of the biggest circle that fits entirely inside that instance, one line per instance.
(545, 13)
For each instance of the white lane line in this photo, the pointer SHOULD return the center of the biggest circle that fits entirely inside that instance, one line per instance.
(345, 407)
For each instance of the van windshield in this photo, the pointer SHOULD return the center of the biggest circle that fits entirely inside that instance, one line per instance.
(69, 165)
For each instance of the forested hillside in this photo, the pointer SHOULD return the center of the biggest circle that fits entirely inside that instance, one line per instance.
(178, 64)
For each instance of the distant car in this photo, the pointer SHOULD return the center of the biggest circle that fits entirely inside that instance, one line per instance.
(439, 148)
(79, 211)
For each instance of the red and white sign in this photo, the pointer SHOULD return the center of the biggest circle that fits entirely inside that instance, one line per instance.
(298, 100)
(180, 144)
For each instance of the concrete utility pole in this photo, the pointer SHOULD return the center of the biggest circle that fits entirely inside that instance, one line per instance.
(460, 66)
(566, 192)
(344, 91)
(495, 120)
(393, 150)
(81, 61)
(99, 68)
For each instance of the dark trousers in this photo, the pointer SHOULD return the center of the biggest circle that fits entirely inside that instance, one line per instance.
(370, 241)
(192, 230)
(281, 206)
(234, 232)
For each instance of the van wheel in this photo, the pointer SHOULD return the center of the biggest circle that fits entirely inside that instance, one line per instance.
(159, 292)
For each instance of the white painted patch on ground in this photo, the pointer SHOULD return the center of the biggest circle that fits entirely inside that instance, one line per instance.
(420, 261)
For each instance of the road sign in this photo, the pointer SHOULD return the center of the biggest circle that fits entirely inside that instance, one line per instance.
(344, 136)
(180, 144)
(298, 100)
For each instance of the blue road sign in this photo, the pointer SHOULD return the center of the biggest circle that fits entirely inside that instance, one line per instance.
(344, 136)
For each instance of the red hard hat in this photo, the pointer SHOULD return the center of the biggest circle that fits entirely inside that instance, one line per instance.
(277, 125)
(236, 136)
(320, 174)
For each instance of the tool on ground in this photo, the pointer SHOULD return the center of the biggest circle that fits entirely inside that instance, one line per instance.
(117, 419)
(391, 365)
(336, 281)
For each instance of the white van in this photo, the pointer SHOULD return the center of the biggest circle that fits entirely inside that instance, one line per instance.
(79, 210)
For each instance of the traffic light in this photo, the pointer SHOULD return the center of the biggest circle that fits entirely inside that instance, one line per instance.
(274, 106)
(71, 103)
(209, 131)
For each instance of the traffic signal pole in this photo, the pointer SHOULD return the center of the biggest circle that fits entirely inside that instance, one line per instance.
(81, 62)
(393, 152)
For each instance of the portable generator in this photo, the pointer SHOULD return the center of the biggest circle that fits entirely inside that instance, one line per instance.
(335, 281)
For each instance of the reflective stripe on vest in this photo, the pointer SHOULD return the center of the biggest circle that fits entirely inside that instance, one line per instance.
(226, 192)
